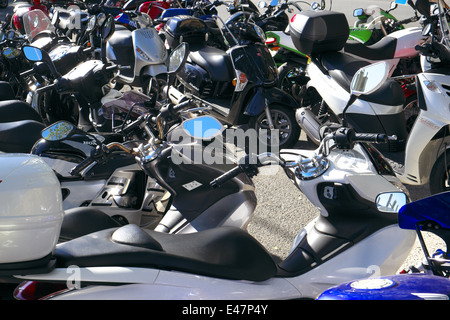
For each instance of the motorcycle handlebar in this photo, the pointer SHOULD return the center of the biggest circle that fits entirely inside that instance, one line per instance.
(373, 137)
(81, 166)
(225, 177)
(46, 88)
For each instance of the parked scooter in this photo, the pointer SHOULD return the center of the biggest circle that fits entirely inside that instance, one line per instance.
(330, 72)
(346, 241)
(246, 73)
(140, 52)
(430, 280)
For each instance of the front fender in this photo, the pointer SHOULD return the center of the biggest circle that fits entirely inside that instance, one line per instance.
(267, 96)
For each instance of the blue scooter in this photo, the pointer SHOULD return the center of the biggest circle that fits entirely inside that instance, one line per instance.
(430, 281)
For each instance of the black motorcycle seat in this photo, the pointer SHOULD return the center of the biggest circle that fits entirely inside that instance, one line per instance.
(19, 136)
(122, 45)
(341, 67)
(6, 92)
(16, 110)
(381, 50)
(216, 61)
(224, 252)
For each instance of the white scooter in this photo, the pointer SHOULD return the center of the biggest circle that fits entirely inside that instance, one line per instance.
(140, 52)
(329, 74)
(427, 155)
(350, 239)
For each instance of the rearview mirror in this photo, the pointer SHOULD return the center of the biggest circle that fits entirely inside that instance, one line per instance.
(32, 53)
(177, 58)
(368, 79)
(58, 131)
(204, 127)
(390, 202)
(91, 24)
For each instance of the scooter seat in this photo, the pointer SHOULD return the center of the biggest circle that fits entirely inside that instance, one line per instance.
(216, 61)
(225, 252)
(19, 136)
(341, 67)
(381, 50)
(16, 110)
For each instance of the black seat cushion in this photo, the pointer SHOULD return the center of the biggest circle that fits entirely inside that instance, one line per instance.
(217, 62)
(342, 67)
(19, 136)
(81, 221)
(381, 50)
(16, 110)
(224, 252)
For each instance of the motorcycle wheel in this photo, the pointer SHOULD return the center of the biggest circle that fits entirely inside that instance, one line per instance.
(440, 174)
(284, 120)
(292, 79)
(4, 4)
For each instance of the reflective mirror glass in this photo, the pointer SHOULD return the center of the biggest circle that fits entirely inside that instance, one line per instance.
(390, 201)
(177, 58)
(368, 79)
(58, 131)
(205, 127)
(32, 53)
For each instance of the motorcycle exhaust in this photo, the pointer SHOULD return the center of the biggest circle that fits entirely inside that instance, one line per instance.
(309, 124)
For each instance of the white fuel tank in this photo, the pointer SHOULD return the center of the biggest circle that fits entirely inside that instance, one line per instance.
(30, 208)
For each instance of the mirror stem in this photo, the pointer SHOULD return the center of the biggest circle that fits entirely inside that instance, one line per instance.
(349, 103)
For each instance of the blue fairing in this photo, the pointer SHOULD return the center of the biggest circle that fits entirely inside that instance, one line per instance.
(434, 208)
(397, 287)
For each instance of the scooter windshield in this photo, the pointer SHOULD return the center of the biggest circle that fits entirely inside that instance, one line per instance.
(256, 61)
(433, 208)
(36, 21)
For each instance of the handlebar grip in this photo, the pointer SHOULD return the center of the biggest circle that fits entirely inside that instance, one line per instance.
(81, 166)
(225, 177)
(372, 137)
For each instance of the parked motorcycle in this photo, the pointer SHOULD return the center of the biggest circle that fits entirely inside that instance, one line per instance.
(335, 178)
(246, 73)
(430, 280)
(141, 51)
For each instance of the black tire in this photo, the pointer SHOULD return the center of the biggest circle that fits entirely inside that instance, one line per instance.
(284, 120)
(439, 181)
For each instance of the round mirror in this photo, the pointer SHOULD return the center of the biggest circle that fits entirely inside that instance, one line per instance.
(92, 22)
(58, 131)
(390, 202)
(178, 58)
(10, 34)
(108, 28)
(32, 53)
(368, 79)
(204, 127)
(10, 53)
(101, 17)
